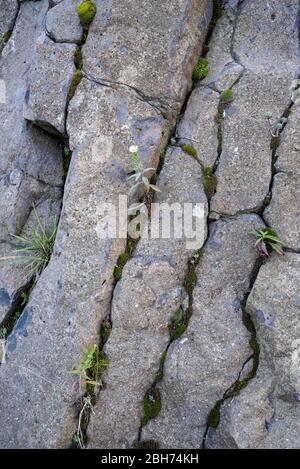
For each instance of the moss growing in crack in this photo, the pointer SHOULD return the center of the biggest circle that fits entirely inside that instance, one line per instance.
(190, 150)
(6, 36)
(209, 181)
(190, 281)
(106, 328)
(152, 406)
(78, 58)
(77, 77)
(159, 375)
(214, 416)
(123, 258)
(219, 119)
(178, 324)
(226, 97)
(201, 69)
(147, 444)
(86, 12)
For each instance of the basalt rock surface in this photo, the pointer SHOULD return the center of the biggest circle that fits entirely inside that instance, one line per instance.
(204, 337)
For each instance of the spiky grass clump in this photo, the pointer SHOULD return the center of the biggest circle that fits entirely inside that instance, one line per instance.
(36, 248)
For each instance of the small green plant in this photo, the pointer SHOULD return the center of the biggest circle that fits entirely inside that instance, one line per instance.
(141, 179)
(277, 126)
(201, 69)
(226, 97)
(36, 250)
(91, 367)
(267, 241)
(123, 258)
(86, 12)
(152, 406)
(190, 150)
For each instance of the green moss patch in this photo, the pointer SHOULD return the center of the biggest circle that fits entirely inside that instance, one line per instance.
(159, 375)
(152, 406)
(178, 324)
(201, 69)
(209, 181)
(149, 444)
(190, 150)
(213, 419)
(227, 96)
(77, 77)
(6, 36)
(123, 258)
(86, 12)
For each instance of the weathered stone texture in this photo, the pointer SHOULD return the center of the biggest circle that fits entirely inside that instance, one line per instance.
(8, 13)
(208, 358)
(63, 23)
(266, 413)
(144, 302)
(49, 83)
(31, 170)
(199, 127)
(244, 172)
(151, 46)
(283, 213)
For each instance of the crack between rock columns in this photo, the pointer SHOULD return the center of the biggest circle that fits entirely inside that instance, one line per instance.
(215, 414)
(169, 115)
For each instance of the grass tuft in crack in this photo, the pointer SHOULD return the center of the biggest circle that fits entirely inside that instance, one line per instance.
(35, 248)
(89, 372)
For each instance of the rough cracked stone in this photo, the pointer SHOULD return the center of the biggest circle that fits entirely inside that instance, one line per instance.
(207, 359)
(144, 301)
(62, 318)
(198, 126)
(63, 23)
(283, 213)
(288, 152)
(266, 413)
(13, 275)
(223, 70)
(15, 62)
(244, 172)
(151, 46)
(12, 280)
(49, 83)
(31, 169)
(38, 175)
(8, 13)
